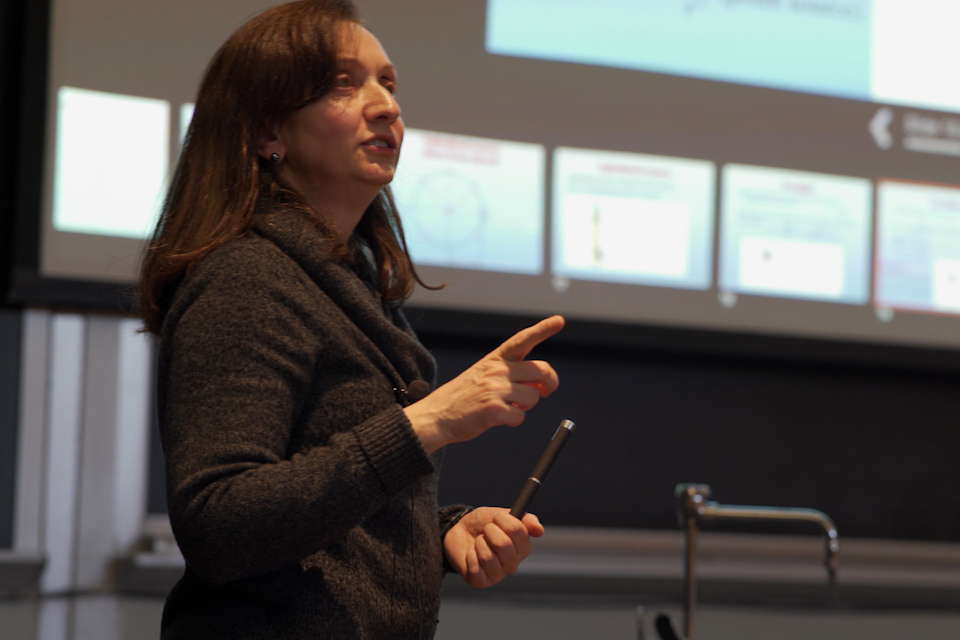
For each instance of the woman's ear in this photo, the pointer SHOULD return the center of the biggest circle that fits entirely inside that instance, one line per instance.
(269, 143)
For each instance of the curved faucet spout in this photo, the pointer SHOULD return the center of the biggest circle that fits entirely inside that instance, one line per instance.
(694, 505)
(710, 510)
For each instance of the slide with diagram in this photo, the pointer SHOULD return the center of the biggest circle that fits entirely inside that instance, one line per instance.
(917, 264)
(472, 203)
(632, 218)
(795, 234)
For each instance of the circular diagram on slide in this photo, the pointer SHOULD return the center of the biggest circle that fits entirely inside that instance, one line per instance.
(449, 211)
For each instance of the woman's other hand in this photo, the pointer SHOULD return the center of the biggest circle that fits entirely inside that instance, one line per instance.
(488, 544)
(499, 389)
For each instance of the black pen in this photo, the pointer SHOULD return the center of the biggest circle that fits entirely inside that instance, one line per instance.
(540, 471)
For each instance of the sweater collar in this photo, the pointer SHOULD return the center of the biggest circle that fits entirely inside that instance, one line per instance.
(387, 330)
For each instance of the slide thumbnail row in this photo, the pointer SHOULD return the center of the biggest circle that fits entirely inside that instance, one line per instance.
(628, 218)
(651, 220)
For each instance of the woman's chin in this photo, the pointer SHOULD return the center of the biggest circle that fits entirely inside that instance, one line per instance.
(381, 177)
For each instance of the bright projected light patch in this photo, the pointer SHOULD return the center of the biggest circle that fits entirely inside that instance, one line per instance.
(914, 53)
(112, 154)
(472, 203)
(918, 246)
(186, 115)
(795, 234)
(800, 267)
(632, 218)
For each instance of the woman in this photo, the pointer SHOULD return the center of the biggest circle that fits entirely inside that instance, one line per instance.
(301, 472)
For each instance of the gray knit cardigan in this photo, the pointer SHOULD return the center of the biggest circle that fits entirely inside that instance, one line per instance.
(301, 498)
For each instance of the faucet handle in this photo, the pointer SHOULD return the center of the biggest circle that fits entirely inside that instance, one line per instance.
(691, 498)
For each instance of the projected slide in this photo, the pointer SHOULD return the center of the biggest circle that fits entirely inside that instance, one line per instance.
(632, 218)
(890, 51)
(112, 153)
(472, 203)
(795, 234)
(918, 247)
(821, 47)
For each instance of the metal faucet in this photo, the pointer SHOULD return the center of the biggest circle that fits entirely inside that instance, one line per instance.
(693, 505)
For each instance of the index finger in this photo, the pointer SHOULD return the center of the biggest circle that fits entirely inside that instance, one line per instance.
(517, 346)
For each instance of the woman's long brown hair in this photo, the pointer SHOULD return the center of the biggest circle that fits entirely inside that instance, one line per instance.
(278, 62)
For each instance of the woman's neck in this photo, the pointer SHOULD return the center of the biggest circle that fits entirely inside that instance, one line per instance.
(343, 212)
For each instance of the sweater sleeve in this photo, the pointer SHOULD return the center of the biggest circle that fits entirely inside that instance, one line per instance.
(254, 485)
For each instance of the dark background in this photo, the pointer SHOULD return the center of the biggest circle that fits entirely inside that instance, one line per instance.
(11, 21)
(876, 449)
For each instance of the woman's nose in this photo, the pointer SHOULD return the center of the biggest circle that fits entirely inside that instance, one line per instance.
(381, 103)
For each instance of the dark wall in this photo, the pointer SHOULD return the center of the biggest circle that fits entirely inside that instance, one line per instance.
(12, 14)
(10, 20)
(876, 449)
(156, 490)
(9, 395)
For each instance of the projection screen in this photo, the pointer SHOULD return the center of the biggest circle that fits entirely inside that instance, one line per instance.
(770, 167)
